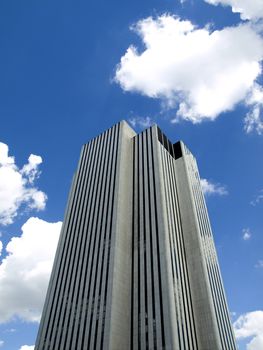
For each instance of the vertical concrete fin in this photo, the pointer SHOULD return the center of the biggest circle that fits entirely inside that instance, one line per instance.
(204, 313)
(120, 285)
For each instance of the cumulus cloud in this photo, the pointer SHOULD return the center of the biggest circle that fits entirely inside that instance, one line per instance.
(25, 271)
(250, 325)
(17, 186)
(27, 347)
(141, 122)
(197, 71)
(210, 188)
(248, 9)
(246, 234)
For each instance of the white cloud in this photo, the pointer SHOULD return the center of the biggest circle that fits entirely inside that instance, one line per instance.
(31, 168)
(210, 188)
(1, 343)
(253, 120)
(141, 122)
(246, 234)
(256, 343)
(248, 9)
(27, 347)
(259, 264)
(1, 247)
(250, 325)
(17, 186)
(10, 330)
(25, 271)
(200, 72)
(258, 198)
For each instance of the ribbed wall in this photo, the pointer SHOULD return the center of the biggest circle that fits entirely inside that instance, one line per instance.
(213, 271)
(185, 325)
(75, 309)
(147, 328)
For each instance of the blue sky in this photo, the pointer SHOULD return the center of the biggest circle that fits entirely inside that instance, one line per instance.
(69, 70)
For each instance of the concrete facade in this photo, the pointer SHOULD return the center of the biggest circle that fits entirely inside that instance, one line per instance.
(136, 265)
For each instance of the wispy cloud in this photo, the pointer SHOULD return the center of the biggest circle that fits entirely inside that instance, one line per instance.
(250, 325)
(142, 122)
(233, 314)
(246, 234)
(210, 188)
(17, 186)
(258, 198)
(253, 120)
(10, 330)
(169, 68)
(259, 264)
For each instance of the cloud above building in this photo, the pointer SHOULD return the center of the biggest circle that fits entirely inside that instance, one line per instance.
(141, 122)
(17, 186)
(250, 326)
(198, 72)
(248, 9)
(25, 270)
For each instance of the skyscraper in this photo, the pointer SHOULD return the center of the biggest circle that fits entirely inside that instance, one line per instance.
(136, 266)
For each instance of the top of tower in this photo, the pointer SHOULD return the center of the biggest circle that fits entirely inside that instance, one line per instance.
(176, 149)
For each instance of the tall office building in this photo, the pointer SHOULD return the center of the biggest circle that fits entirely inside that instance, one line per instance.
(136, 265)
